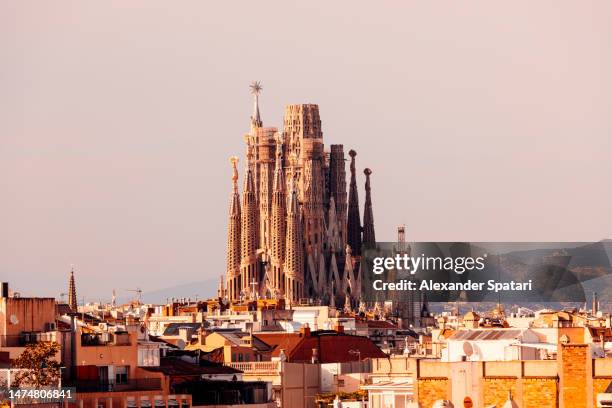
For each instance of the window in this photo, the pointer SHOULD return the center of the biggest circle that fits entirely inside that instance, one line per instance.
(121, 374)
(388, 401)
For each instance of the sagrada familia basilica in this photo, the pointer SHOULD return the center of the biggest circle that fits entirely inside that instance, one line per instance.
(294, 234)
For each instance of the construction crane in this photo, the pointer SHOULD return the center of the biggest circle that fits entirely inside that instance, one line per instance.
(138, 292)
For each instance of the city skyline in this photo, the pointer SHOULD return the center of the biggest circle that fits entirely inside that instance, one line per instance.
(114, 147)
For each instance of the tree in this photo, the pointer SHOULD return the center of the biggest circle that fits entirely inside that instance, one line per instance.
(38, 365)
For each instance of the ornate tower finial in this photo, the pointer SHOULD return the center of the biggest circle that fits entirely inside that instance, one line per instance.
(72, 297)
(354, 221)
(256, 89)
(234, 162)
(369, 237)
(278, 138)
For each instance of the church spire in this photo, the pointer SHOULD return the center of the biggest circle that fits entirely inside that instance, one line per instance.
(369, 237)
(294, 256)
(233, 238)
(354, 221)
(337, 189)
(278, 227)
(249, 235)
(256, 89)
(72, 297)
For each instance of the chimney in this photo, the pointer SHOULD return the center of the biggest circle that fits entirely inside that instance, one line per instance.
(315, 355)
(339, 328)
(594, 307)
(5, 289)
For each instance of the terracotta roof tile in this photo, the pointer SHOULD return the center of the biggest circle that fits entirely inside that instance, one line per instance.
(335, 347)
(280, 341)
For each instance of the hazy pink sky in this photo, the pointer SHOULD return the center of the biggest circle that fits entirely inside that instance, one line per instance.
(480, 121)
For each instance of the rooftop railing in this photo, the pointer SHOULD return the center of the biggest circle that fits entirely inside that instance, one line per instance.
(257, 367)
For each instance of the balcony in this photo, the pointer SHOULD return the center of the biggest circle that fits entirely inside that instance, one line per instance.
(23, 339)
(257, 367)
(138, 384)
(105, 339)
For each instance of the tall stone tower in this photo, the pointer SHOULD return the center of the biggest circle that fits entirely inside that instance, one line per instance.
(288, 236)
(294, 246)
(337, 188)
(278, 222)
(369, 236)
(249, 237)
(233, 258)
(304, 141)
(265, 159)
(354, 221)
(72, 296)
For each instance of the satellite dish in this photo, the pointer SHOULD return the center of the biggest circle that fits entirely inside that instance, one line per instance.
(467, 349)
(14, 319)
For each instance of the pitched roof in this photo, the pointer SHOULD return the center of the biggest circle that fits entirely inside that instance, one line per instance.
(280, 341)
(173, 328)
(334, 347)
(235, 337)
(487, 334)
(156, 339)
